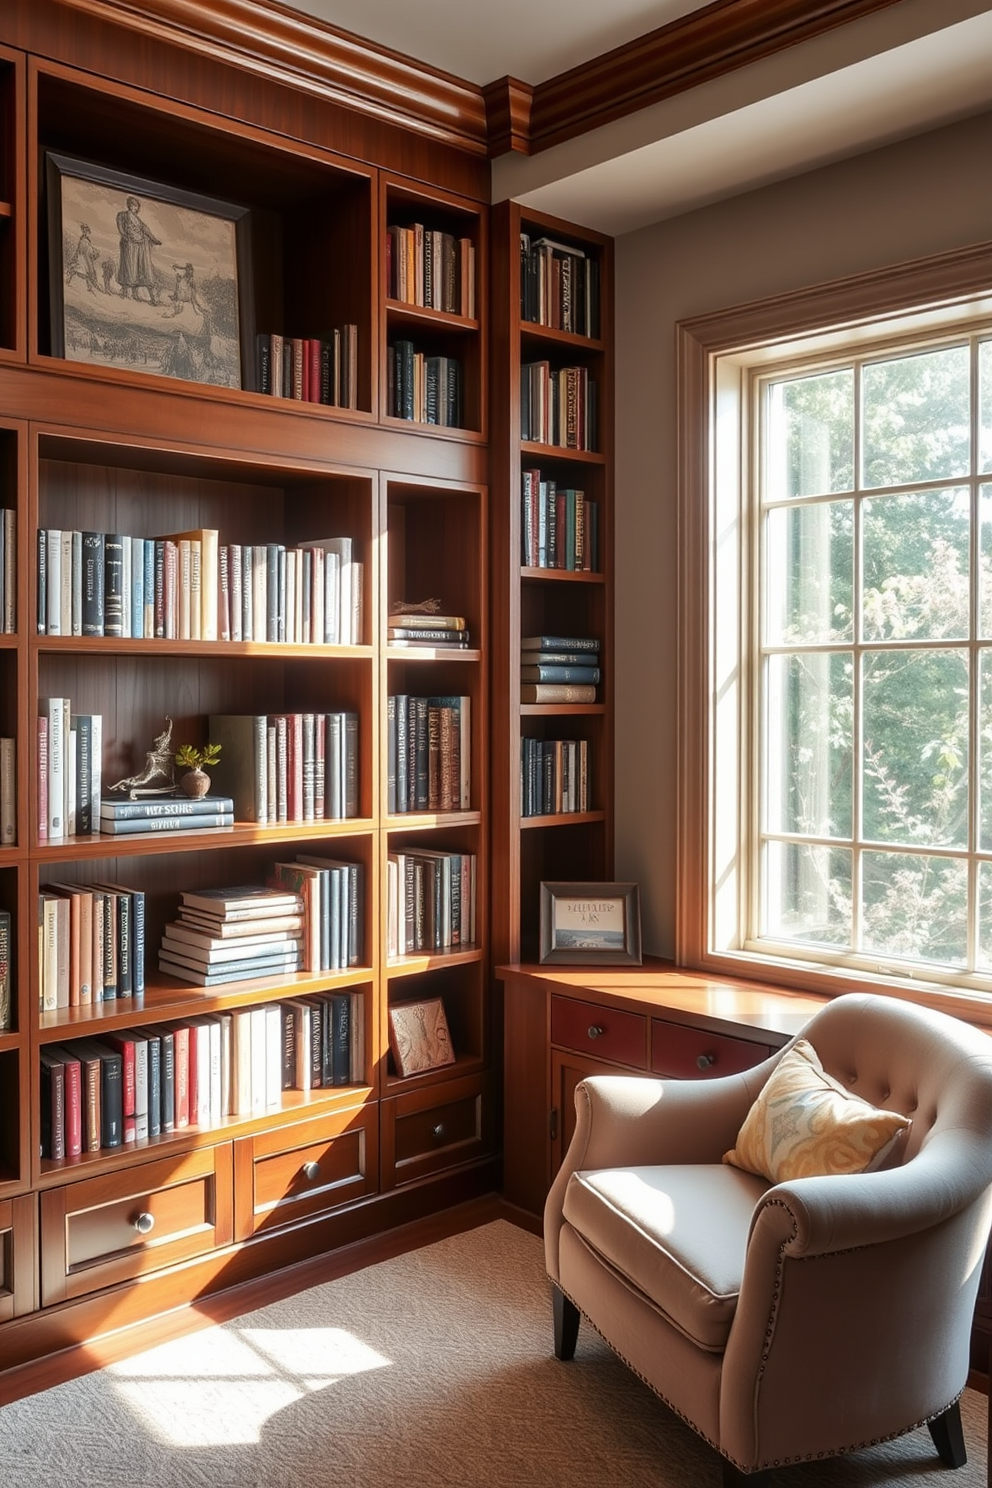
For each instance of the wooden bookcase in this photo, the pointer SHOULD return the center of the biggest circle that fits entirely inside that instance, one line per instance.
(530, 601)
(90, 445)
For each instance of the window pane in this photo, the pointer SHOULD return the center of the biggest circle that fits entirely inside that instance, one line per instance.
(915, 749)
(808, 744)
(985, 915)
(985, 406)
(810, 436)
(807, 893)
(915, 907)
(808, 573)
(916, 412)
(985, 750)
(985, 561)
(916, 579)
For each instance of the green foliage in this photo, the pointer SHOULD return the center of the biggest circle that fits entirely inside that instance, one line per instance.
(189, 757)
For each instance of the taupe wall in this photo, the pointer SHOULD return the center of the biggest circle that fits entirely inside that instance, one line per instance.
(922, 196)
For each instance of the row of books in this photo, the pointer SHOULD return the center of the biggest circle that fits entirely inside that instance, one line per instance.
(426, 389)
(91, 944)
(311, 369)
(557, 406)
(430, 900)
(448, 632)
(425, 266)
(70, 770)
(429, 753)
(287, 766)
(560, 661)
(190, 586)
(559, 286)
(8, 570)
(559, 526)
(131, 1086)
(554, 776)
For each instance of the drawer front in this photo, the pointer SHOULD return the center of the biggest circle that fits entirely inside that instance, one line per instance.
(694, 1054)
(293, 1172)
(435, 1128)
(607, 1033)
(121, 1226)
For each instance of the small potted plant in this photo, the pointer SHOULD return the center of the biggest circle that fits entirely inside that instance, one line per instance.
(196, 781)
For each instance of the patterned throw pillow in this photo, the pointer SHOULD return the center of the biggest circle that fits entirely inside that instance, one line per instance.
(805, 1124)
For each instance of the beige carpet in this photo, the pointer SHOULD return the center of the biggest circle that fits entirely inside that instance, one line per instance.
(433, 1370)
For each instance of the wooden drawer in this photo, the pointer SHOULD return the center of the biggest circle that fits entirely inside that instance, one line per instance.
(293, 1172)
(608, 1033)
(694, 1054)
(121, 1225)
(17, 1247)
(435, 1127)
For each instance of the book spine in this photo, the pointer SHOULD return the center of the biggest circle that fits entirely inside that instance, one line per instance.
(113, 581)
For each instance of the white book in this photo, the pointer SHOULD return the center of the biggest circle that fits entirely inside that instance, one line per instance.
(126, 585)
(76, 585)
(65, 584)
(53, 581)
(273, 1056)
(195, 589)
(200, 1029)
(259, 591)
(140, 1087)
(258, 1062)
(184, 589)
(241, 1062)
(54, 710)
(339, 633)
(96, 767)
(234, 559)
(137, 588)
(225, 1022)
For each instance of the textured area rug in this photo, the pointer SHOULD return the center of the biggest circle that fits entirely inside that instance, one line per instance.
(431, 1370)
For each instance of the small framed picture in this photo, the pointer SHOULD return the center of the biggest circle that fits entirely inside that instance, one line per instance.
(146, 277)
(591, 923)
(418, 1036)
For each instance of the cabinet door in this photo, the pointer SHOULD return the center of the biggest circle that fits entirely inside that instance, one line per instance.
(293, 1172)
(17, 1245)
(125, 1224)
(566, 1072)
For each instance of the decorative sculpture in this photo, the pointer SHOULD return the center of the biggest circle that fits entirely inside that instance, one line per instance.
(158, 778)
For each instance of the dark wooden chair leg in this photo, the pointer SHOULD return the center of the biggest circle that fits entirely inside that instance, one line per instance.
(734, 1478)
(948, 1437)
(566, 1316)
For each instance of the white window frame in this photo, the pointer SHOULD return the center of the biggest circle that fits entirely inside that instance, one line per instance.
(718, 356)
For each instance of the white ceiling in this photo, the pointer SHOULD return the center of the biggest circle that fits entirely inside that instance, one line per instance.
(911, 66)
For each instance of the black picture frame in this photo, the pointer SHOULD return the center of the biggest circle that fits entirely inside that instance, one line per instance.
(590, 924)
(163, 287)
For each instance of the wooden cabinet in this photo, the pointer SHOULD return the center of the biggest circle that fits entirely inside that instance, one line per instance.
(562, 1024)
(103, 431)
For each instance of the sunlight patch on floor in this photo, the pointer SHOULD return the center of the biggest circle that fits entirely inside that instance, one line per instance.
(219, 1387)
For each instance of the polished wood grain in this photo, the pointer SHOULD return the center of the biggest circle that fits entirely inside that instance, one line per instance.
(508, 109)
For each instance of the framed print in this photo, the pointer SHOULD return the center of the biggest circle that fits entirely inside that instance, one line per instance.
(146, 277)
(590, 923)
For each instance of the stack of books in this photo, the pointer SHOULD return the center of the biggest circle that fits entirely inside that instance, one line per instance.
(559, 669)
(437, 631)
(231, 934)
(175, 813)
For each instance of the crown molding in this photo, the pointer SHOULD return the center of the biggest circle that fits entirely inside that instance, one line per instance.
(285, 46)
(697, 48)
(507, 115)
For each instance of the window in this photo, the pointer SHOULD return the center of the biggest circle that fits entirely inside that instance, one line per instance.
(836, 759)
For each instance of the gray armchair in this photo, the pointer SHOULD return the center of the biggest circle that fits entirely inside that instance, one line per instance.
(792, 1320)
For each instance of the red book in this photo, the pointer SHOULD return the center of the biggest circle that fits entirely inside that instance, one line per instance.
(125, 1047)
(313, 369)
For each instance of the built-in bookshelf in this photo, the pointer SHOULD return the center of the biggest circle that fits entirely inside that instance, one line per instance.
(552, 564)
(136, 418)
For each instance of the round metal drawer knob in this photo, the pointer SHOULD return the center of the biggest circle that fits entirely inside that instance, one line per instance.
(437, 1132)
(594, 1031)
(145, 1223)
(704, 1061)
(311, 1171)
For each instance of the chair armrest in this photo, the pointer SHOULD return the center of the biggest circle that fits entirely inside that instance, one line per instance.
(630, 1121)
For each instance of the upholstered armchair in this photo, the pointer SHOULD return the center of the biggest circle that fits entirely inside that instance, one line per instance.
(801, 1318)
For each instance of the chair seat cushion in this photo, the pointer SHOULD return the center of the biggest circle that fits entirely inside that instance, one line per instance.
(677, 1234)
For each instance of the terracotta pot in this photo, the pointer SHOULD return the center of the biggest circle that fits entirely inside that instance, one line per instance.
(195, 783)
